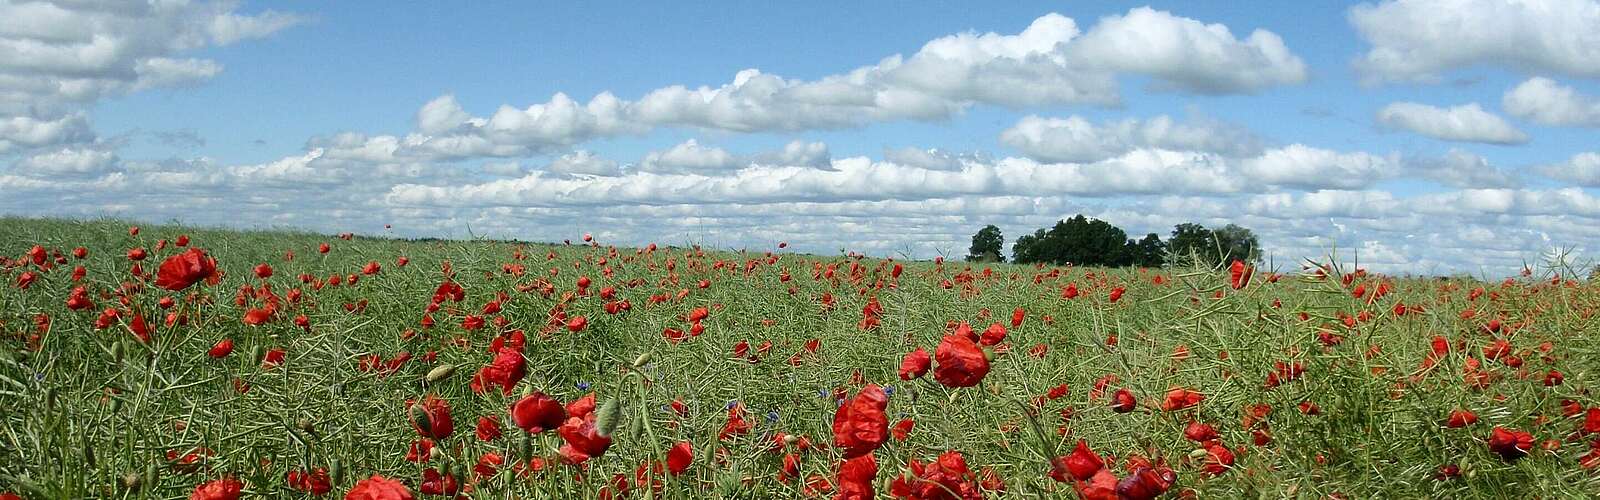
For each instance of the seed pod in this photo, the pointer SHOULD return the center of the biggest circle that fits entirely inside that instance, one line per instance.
(88, 455)
(609, 417)
(1197, 453)
(152, 475)
(116, 404)
(117, 351)
(336, 470)
(440, 372)
(641, 360)
(255, 353)
(636, 428)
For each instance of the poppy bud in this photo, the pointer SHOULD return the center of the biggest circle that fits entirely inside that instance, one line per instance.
(641, 360)
(606, 422)
(440, 372)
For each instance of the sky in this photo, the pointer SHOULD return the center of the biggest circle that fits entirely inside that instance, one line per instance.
(1424, 137)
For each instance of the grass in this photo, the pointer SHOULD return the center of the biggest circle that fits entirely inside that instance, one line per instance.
(83, 409)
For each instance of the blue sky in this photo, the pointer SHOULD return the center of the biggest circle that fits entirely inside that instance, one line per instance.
(1356, 123)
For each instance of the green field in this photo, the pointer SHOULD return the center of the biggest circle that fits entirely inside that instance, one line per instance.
(1359, 407)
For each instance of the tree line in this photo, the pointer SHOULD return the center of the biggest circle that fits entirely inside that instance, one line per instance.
(1086, 241)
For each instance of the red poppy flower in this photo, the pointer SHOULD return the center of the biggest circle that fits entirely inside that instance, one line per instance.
(856, 476)
(506, 371)
(961, 362)
(947, 477)
(1080, 465)
(902, 429)
(1146, 483)
(378, 488)
(1460, 418)
(536, 413)
(1510, 444)
(226, 488)
(995, 334)
(183, 270)
(1179, 398)
(435, 483)
(431, 417)
(860, 425)
(915, 364)
(1123, 401)
(583, 439)
(1239, 274)
(679, 457)
(316, 482)
(488, 429)
(221, 350)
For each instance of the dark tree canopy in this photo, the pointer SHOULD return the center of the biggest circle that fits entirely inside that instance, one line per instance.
(987, 246)
(1212, 247)
(1086, 241)
(1080, 240)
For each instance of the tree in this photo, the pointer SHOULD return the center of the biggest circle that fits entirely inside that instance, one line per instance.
(1079, 240)
(1210, 248)
(1148, 252)
(1237, 243)
(987, 245)
(1191, 243)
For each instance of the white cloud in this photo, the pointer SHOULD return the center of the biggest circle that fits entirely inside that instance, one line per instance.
(20, 132)
(1075, 139)
(584, 162)
(1462, 169)
(66, 161)
(1418, 40)
(1543, 101)
(1582, 169)
(689, 156)
(932, 158)
(1465, 123)
(56, 55)
(1301, 166)
(1050, 62)
(797, 152)
(1185, 54)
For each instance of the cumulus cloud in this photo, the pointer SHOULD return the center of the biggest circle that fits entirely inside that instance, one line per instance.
(932, 158)
(71, 53)
(1543, 101)
(583, 162)
(23, 132)
(65, 162)
(1075, 139)
(1582, 169)
(1418, 40)
(689, 156)
(1462, 169)
(1465, 123)
(1301, 166)
(1185, 54)
(1050, 62)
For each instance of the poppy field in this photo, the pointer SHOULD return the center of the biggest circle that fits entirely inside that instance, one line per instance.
(175, 362)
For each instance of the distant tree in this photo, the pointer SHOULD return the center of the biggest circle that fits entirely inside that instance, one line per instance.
(1079, 240)
(1212, 247)
(987, 245)
(1237, 243)
(1192, 243)
(1148, 252)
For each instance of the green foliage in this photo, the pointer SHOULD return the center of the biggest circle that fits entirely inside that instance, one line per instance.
(987, 245)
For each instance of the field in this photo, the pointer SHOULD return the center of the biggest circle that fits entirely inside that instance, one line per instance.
(672, 372)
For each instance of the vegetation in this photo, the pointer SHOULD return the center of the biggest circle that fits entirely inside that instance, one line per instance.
(174, 362)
